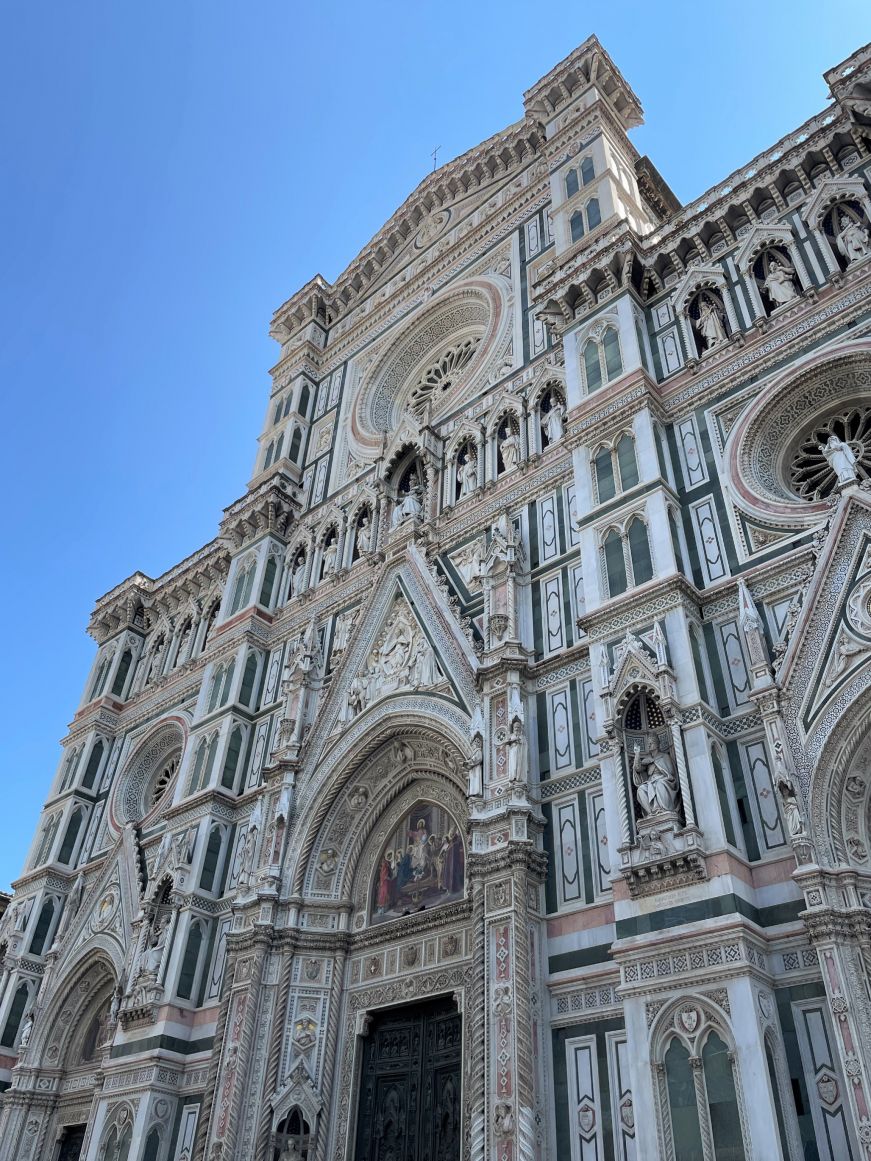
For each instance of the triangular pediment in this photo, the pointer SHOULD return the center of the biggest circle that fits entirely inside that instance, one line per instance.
(405, 640)
(107, 907)
(828, 657)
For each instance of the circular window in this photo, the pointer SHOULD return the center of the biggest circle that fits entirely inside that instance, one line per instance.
(163, 779)
(441, 375)
(810, 474)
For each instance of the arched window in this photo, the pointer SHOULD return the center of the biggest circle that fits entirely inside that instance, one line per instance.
(615, 564)
(602, 359)
(48, 832)
(588, 170)
(210, 759)
(100, 678)
(215, 691)
(278, 447)
(269, 574)
(152, 1146)
(16, 1014)
(228, 682)
(43, 926)
(592, 365)
(639, 551)
(576, 225)
(722, 1100)
(295, 444)
(276, 415)
(71, 765)
(210, 859)
(190, 961)
(231, 761)
(572, 183)
(267, 459)
(94, 760)
(696, 647)
(626, 557)
(210, 621)
(611, 349)
(242, 588)
(199, 764)
(675, 541)
(723, 794)
(606, 484)
(121, 673)
(616, 468)
(594, 214)
(685, 1127)
(72, 833)
(287, 405)
(246, 691)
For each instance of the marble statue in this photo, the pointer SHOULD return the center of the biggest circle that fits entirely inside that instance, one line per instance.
(779, 284)
(408, 504)
(153, 957)
(841, 459)
(26, 1030)
(654, 778)
(709, 324)
(467, 474)
(552, 421)
(852, 239)
(364, 535)
(329, 563)
(296, 575)
(510, 449)
(517, 761)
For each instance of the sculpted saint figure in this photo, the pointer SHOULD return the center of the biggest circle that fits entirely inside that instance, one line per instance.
(852, 239)
(364, 535)
(654, 778)
(552, 421)
(779, 284)
(154, 954)
(467, 474)
(510, 449)
(709, 324)
(841, 459)
(408, 505)
(330, 551)
(26, 1029)
(517, 764)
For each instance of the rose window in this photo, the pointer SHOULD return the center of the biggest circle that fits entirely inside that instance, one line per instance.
(810, 474)
(441, 375)
(163, 780)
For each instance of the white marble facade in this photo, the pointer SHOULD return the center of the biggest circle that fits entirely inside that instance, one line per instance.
(519, 709)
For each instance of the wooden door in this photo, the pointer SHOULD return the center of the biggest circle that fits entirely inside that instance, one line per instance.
(409, 1107)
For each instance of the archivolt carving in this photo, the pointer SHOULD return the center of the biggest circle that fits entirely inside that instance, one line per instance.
(477, 310)
(129, 800)
(762, 443)
(371, 762)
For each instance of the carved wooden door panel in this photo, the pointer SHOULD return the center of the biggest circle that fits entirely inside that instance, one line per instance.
(409, 1107)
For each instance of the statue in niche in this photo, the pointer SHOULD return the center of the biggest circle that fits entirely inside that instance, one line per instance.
(852, 239)
(517, 753)
(653, 776)
(779, 284)
(408, 504)
(469, 561)
(841, 459)
(153, 957)
(297, 573)
(709, 324)
(330, 550)
(364, 535)
(26, 1029)
(467, 474)
(552, 420)
(509, 448)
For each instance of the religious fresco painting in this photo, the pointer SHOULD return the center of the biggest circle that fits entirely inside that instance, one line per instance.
(422, 864)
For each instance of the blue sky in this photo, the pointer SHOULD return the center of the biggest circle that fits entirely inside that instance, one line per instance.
(172, 171)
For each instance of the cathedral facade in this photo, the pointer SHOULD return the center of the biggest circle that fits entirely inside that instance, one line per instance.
(496, 785)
